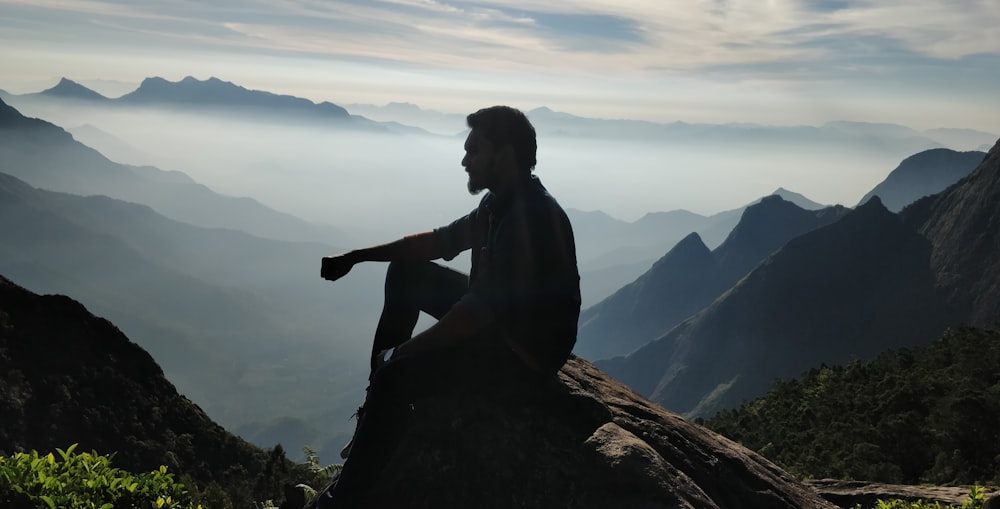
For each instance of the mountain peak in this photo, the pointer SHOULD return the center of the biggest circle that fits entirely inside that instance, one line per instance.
(191, 92)
(69, 89)
(922, 174)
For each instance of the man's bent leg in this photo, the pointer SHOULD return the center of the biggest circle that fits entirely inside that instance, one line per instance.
(412, 287)
(394, 387)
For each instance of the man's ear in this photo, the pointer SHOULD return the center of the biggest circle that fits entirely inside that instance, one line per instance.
(507, 155)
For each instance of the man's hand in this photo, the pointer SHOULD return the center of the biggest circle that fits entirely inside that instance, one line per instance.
(335, 267)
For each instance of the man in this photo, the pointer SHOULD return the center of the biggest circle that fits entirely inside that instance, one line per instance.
(510, 323)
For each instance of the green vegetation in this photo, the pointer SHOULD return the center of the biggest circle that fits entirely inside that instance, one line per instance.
(911, 416)
(84, 481)
(975, 500)
(70, 480)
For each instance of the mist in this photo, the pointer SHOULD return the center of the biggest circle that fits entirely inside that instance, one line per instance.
(378, 185)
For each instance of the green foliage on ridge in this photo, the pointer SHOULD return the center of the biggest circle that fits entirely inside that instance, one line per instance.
(910, 416)
(85, 481)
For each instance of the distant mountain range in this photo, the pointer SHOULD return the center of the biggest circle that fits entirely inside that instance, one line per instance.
(549, 123)
(871, 281)
(214, 94)
(404, 118)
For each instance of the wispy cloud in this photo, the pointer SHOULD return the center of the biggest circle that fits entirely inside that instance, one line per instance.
(586, 34)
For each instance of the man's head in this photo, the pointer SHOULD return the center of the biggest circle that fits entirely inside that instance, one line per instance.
(500, 148)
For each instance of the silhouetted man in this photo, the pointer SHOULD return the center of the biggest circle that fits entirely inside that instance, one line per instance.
(511, 322)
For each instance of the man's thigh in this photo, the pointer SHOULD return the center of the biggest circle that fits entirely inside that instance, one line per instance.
(430, 287)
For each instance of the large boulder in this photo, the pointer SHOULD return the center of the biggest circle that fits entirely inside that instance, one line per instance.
(583, 441)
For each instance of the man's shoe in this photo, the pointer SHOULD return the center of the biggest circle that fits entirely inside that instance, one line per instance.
(346, 451)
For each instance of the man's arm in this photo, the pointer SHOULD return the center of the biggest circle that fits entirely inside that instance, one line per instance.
(417, 247)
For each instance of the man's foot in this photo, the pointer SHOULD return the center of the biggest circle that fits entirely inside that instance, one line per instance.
(346, 451)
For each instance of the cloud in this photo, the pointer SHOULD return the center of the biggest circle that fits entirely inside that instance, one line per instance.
(581, 35)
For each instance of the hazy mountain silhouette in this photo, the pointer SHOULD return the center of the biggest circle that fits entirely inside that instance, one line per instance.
(413, 115)
(613, 252)
(690, 276)
(69, 89)
(224, 312)
(924, 174)
(46, 156)
(871, 281)
(71, 377)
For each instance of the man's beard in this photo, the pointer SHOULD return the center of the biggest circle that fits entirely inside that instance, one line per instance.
(475, 185)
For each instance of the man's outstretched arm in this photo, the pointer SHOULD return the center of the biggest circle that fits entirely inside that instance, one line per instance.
(417, 247)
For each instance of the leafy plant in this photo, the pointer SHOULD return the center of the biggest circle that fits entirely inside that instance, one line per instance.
(975, 500)
(71, 480)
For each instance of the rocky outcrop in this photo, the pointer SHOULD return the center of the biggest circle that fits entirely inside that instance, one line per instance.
(582, 441)
(865, 494)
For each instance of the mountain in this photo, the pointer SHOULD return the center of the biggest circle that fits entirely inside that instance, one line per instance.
(191, 92)
(872, 281)
(963, 139)
(924, 174)
(963, 227)
(69, 377)
(448, 124)
(613, 253)
(690, 276)
(69, 89)
(860, 136)
(46, 156)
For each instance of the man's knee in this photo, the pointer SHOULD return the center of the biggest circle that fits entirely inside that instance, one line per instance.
(403, 274)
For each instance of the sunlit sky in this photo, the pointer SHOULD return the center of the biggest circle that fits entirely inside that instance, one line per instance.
(920, 63)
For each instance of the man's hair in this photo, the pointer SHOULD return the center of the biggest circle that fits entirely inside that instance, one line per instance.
(503, 125)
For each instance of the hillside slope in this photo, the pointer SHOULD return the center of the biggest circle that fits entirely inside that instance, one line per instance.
(69, 377)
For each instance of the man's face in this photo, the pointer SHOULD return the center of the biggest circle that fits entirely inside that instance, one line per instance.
(479, 162)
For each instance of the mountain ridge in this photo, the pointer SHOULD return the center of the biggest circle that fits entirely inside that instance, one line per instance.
(689, 277)
(924, 174)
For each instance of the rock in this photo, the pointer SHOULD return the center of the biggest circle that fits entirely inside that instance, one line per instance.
(582, 441)
(852, 493)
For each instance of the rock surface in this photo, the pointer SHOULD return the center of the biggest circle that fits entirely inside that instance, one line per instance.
(851, 493)
(583, 441)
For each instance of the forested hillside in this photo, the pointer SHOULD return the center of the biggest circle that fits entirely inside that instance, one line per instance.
(920, 415)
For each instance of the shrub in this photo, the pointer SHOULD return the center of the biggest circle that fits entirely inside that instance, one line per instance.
(84, 481)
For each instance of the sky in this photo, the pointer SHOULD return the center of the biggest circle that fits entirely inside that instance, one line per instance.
(921, 63)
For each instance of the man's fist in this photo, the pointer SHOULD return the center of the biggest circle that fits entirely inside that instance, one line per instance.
(335, 267)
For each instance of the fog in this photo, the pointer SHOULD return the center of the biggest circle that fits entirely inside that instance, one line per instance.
(378, 186)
